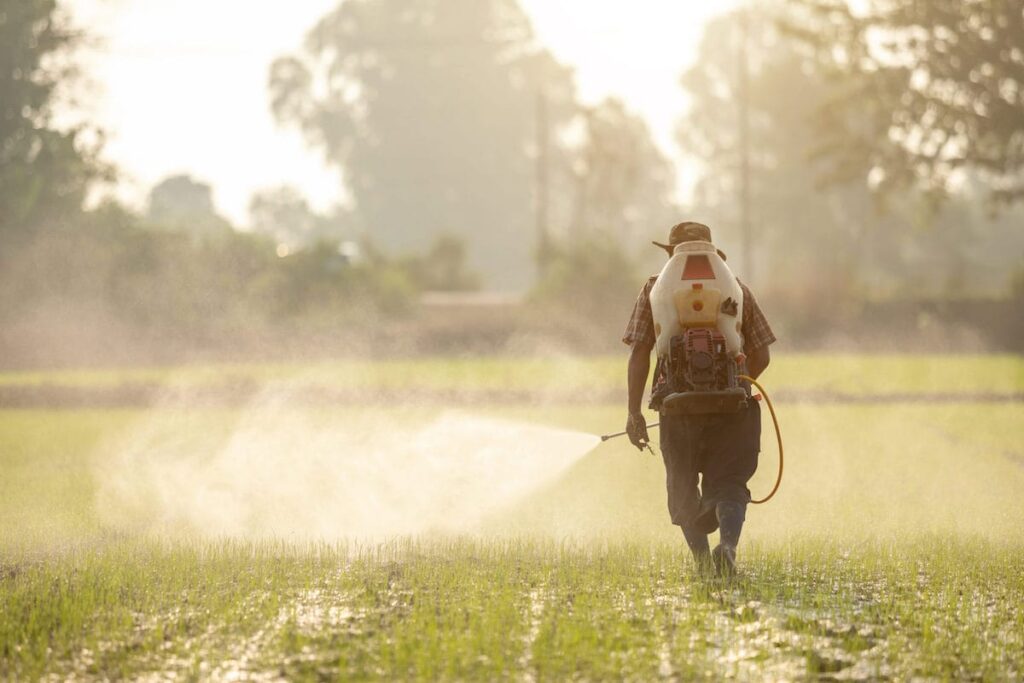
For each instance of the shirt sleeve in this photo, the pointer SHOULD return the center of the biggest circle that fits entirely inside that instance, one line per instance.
(640, 328)
(757, 333)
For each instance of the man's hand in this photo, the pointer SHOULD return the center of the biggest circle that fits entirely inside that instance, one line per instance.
(636, 430)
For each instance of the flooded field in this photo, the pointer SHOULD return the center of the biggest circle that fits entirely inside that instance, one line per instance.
(492, 608)
(272, 540)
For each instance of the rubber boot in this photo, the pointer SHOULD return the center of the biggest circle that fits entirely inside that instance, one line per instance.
(698, 543)
(730, 523)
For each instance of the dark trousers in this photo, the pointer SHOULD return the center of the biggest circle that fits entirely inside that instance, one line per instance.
(720, 450)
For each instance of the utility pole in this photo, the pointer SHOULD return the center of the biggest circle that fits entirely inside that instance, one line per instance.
(542, 181)
(743, 92)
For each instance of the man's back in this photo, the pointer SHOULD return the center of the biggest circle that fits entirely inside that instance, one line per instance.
(719, 451)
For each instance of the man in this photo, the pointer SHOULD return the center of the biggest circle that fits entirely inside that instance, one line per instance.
(723, 449)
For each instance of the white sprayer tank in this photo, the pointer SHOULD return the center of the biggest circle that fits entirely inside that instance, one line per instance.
(693, 290)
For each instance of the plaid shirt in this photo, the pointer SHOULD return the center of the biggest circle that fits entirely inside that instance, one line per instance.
(757, 334)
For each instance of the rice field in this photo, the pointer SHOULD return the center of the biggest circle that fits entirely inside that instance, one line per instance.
(895, 549)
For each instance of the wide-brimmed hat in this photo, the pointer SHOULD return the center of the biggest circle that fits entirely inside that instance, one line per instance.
(687, 231)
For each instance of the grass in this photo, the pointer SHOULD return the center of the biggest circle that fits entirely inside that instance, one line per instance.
(894, 550)
(486, 609)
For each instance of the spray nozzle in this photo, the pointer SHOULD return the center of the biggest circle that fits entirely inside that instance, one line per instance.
(618, 434)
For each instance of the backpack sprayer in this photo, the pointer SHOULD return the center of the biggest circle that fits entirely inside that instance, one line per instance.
(697, 305)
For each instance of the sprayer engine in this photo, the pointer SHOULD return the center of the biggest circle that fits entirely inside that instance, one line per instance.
(701, 375)
(699, 358)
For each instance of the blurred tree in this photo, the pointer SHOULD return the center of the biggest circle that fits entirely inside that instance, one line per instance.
(444, 267)
(44, 170)
(823, 249)
(623, 183)
(925, 89)
(319, 283)
(181, 204)
(1017, 286)
(285, 215)
(966, 249)
(798, 226)
(594, 280)
(428, 108)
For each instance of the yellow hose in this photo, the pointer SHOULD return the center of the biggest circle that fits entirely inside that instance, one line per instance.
(778, 436)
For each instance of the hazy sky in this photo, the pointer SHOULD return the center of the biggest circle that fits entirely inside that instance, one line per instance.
(180, 85)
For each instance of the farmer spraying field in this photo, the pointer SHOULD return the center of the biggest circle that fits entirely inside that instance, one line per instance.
(711, 339)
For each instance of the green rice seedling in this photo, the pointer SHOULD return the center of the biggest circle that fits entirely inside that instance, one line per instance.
(454, 608)
(895, 549)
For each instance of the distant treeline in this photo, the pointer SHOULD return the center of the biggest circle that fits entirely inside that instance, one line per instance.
(110, 286)
(108, 289)
(883, 179)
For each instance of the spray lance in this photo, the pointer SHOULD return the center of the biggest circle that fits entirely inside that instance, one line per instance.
(618, 434)
(775, 423)
(648, 445)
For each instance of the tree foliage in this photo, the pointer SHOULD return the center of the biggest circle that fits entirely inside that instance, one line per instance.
(43, 170)
(796, 225)
(927, 90)
(183, 204)
(594, 280)
(443, 268)
(428, 109)
(285, 215)
(817, 245)
(623, 183)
